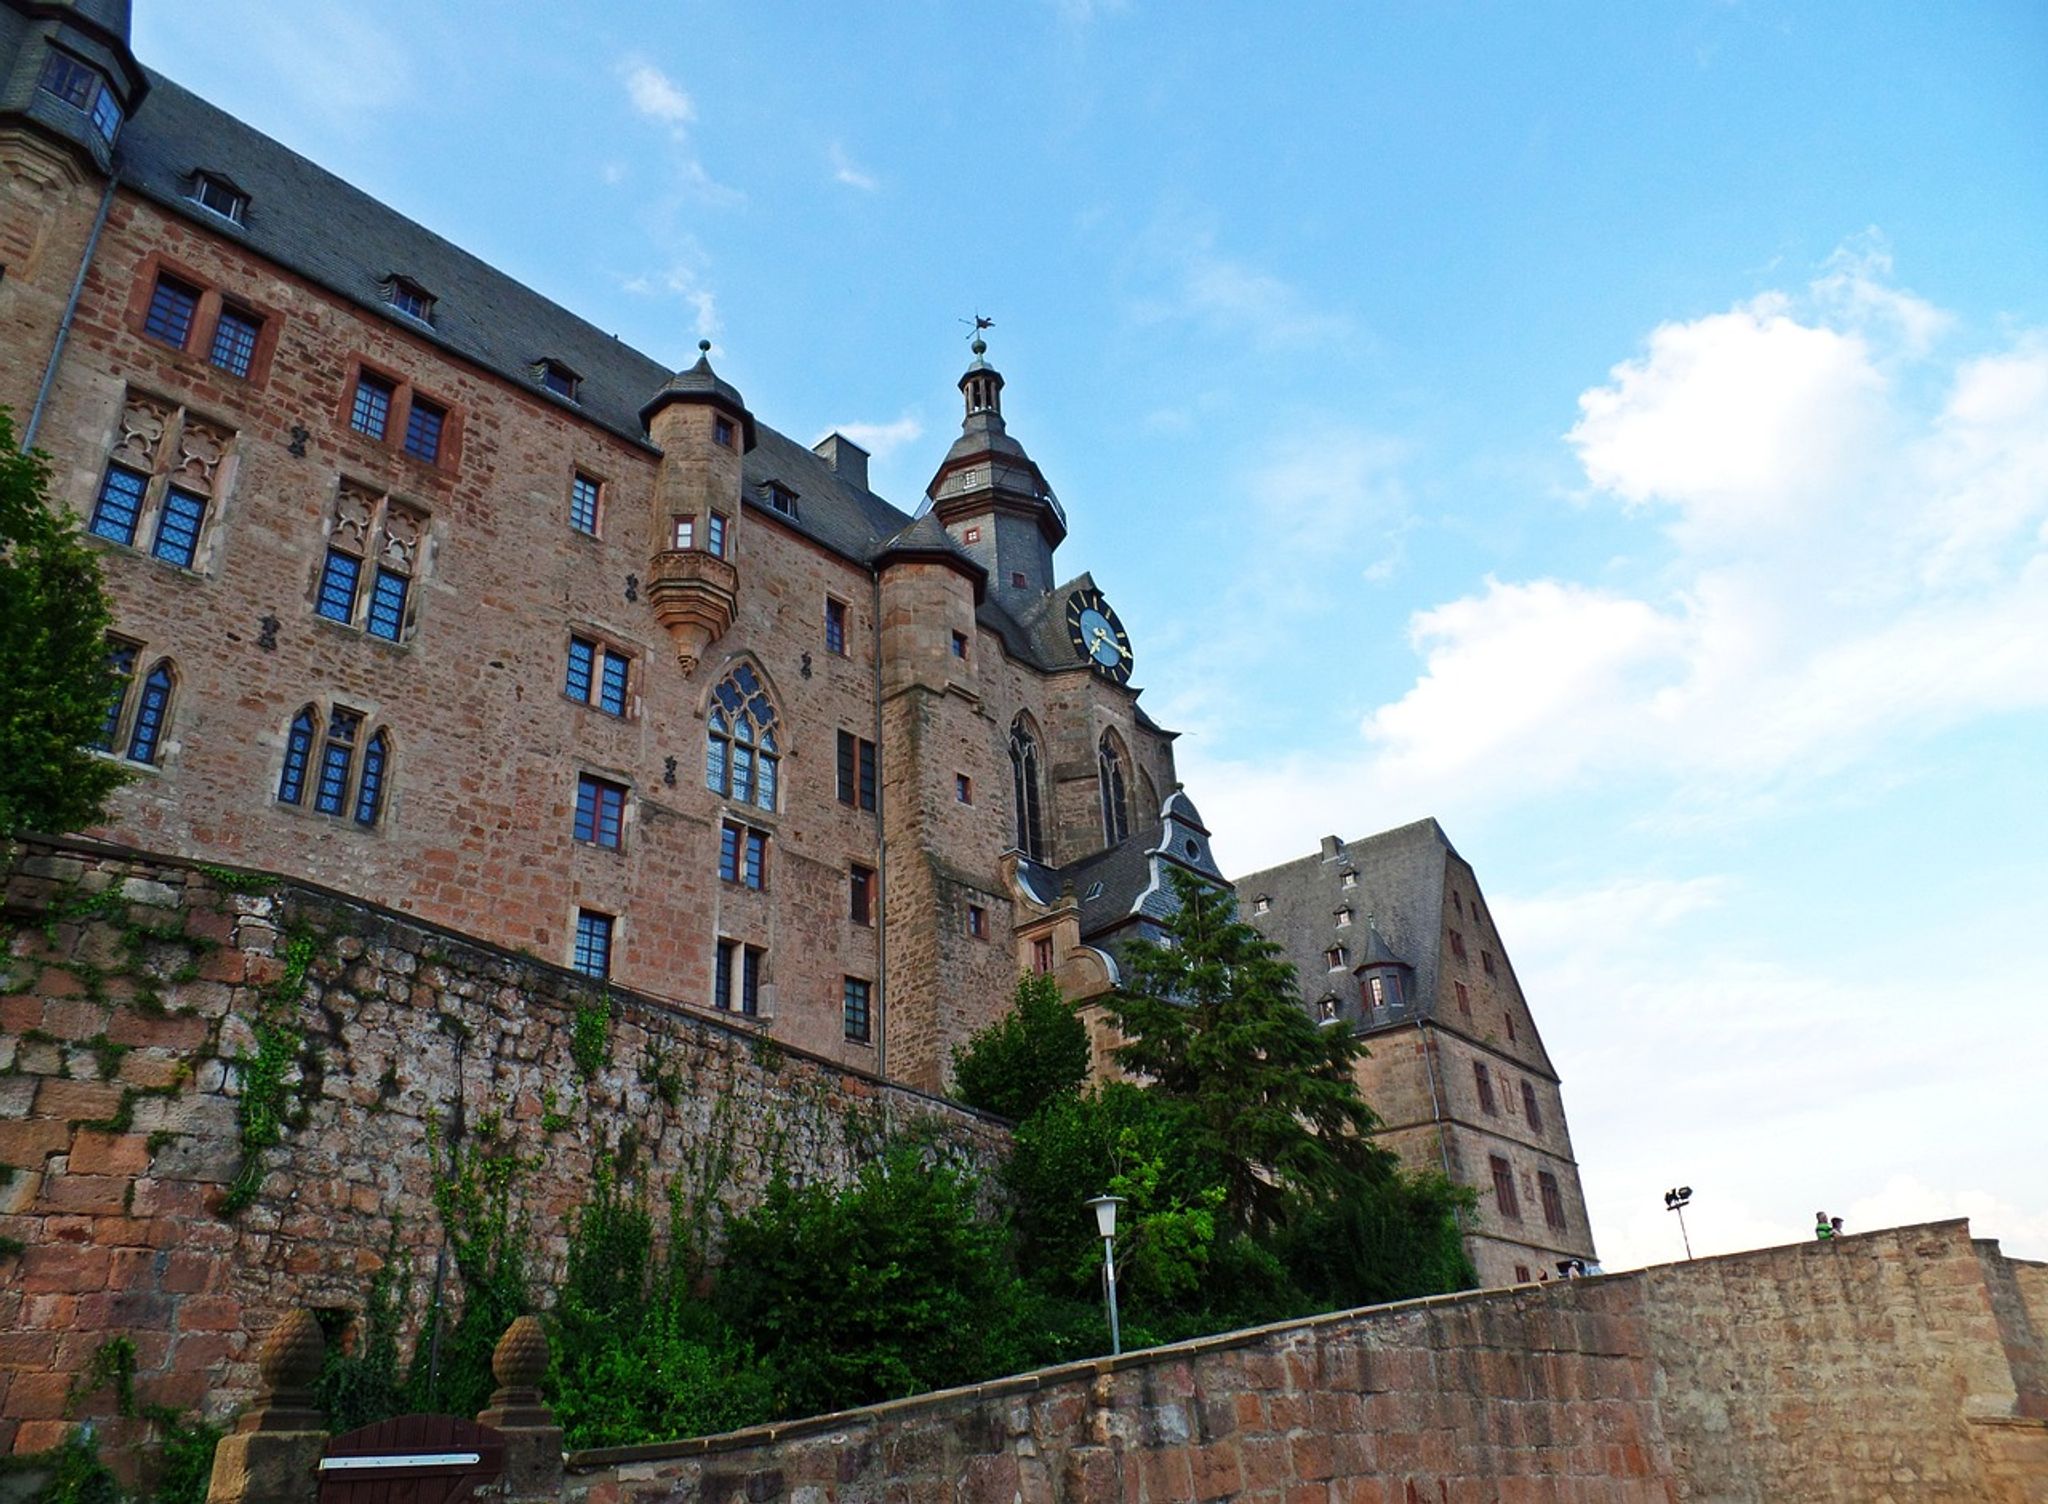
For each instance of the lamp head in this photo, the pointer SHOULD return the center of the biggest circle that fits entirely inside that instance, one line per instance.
(1105, 1213)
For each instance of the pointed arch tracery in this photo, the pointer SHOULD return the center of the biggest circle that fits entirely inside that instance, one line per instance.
(1026, 788)
(1112, 778)
(742, 751)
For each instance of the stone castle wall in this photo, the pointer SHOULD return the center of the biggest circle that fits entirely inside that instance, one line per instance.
(1900, 1365)
(128, 985)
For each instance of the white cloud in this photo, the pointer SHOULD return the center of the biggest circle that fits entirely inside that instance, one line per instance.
(1188, 280)
(655, 96)
(852, 174)
(883, 439)
(684, 279)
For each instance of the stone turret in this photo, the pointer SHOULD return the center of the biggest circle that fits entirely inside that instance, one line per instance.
(66, 72)
(992, 497)
(704, 431)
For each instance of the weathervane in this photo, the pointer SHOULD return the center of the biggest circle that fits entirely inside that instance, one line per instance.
(980, 324)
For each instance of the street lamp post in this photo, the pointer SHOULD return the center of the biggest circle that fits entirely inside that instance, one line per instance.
(1676, 1200)
(1105, 1223)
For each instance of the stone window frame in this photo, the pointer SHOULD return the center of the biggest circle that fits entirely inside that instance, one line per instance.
(603, 646)
(365, 800)
(1042, 960)
(860, 895)
(743, 855)
(1551, 1193)
(756, 712)
(135, 667)
(167, 446)
(977, 921)
(580, 935)
(599, 486)
(605, 813)
(405, 391)
(856, 1009)
(856, 771)
(386, 535)
(1027, 787)
(1112, 778)
(739, 984)
(1505, 1201)
(1482, 1079)
(197, 353)
(1531, 1108)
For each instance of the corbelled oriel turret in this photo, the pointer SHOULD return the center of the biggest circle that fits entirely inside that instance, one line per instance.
(67, 72)
(704, 432)
(991, 496)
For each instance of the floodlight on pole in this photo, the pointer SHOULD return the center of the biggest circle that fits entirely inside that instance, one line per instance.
(1105, 1224)
(1676, 1200)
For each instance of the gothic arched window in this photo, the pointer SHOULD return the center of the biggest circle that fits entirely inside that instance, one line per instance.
(370, 791)
(741, 754)
(321, 761)
(1024, 782)
(1116, 808)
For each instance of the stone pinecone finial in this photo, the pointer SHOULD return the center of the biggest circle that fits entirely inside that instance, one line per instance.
(520, 1359)
(291, 1358)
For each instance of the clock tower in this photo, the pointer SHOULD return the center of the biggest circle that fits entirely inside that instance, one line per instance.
(992, 498)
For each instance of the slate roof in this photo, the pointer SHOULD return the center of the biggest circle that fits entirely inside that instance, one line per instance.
(308, 220)
(1400, 891)
(1123, 891)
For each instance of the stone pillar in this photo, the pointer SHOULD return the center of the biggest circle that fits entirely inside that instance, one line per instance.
(533, 1442)
(273, 1454)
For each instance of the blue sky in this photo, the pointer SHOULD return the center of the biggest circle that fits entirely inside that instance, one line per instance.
(1619, 430)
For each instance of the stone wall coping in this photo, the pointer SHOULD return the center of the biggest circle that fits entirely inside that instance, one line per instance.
(113, 851)
(869, 1417)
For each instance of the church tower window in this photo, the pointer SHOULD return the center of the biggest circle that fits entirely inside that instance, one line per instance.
(1024, 781)
(1116, 812)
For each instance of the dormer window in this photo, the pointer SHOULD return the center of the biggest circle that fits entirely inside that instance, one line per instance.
(559, 379)
(1350, 879)
(410, 299)
(1343, 919)
(1261, 904)
(84, 89)
(781, 499)
(219, 195)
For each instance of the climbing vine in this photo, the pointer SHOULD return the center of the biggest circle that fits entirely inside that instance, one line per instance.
(269, 1103)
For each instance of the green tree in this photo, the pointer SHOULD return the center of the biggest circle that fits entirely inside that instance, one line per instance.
(1034, 1054)
(54, 679)
(1213, 1022)
(890, 1286)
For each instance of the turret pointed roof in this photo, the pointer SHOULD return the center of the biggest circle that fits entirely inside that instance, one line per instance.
(701, 384)
(986, 469)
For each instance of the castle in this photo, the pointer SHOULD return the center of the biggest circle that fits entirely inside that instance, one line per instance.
(430, 593)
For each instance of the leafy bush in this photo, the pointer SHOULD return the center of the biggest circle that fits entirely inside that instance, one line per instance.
(893, 1285)
(1034, 1054)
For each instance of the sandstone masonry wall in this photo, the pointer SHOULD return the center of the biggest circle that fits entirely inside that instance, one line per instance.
(1873, 1368)
(129, 986)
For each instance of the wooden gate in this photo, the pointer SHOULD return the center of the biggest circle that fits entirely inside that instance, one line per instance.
(414, 1459)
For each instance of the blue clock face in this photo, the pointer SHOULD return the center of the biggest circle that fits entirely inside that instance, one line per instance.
(1098, 636)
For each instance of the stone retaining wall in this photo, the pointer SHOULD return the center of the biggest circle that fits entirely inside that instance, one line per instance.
(128, 986)
(1893, 1366)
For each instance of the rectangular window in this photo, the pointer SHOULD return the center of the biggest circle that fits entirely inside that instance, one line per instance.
(583, 495)
(867, 774)
(1041, 956)
(1509, 1020)
(222, 198)
(860, 888)
(1529, 1108)
(1457, 945)
(414, 302)
(387, 605)
(70, 80)
(835, 626)
(593, 955)
(721, 432)
(582, 669)
(855, 995)
(977, 921)
(600, 811)
(683, 532)
(963, 788)
(330, 793)
(742, 855)
(751, 958)
(856, 771)
(714, 534)
(234, 341)
(423, 430)
(1553, 1199)
(959, 644)
(171, 308)
(1486, 962)
(1504, 1188)
(613, 669)
(782, 499)
(119, 506)
(1464, 999)
(729, 837)
(1379, 992)
(1521, 1274)
(845, 769)
(177, 530)
(754, 869)
(1486, 1102)
(338, 577)
(721, 982)
(370, 413)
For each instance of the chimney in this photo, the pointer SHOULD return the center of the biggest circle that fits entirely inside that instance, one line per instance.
(1331, 847)
(848, 460)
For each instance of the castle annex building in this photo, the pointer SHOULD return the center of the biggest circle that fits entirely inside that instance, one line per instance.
(430, 592)
(1391, 937)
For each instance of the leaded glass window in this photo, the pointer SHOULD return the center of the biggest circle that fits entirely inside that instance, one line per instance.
(742, 757)
(171, 308)
(1025, 794)
(152, 709)
(387, 605)
(370, 792)
(177, 527)
(298, 752)
(1116, 815)
(119, 506)
(337, 598)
